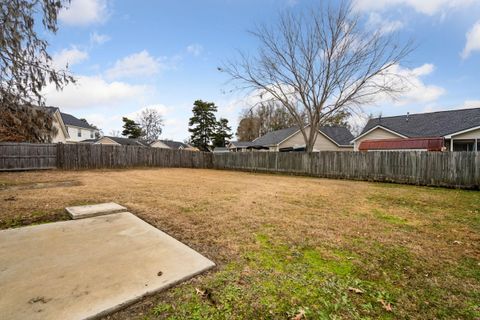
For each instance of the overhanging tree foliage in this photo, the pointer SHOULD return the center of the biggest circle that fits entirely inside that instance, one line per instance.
(26, 68)
(320, 64)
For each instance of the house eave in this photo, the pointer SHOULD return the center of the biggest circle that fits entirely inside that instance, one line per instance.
(451, 135)
(379, 127)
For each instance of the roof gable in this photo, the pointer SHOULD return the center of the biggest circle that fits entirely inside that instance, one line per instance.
(124, 141)
(275, 137)
(433, 124)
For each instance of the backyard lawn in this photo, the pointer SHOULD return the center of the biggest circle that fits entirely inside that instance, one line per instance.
(286, 247)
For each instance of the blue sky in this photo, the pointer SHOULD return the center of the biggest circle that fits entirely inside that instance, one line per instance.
(129, 55)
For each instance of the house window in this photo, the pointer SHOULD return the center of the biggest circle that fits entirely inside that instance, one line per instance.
(91, 134)
(79, 134)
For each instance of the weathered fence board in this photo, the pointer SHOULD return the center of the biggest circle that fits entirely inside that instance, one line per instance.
(450, 169)
(85, 156)
(27, 156)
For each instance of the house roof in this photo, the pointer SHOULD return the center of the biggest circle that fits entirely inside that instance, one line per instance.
(220, 149)
(433, 124)
(70, 120)
(89, 141)
(175, 144)
(340, 135)
(241, 144)
(125, 141)
(275, 137)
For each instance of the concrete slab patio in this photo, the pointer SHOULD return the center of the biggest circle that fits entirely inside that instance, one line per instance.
(86, 268)
(81, 212)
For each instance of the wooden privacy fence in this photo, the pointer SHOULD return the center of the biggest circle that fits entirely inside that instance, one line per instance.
(27, 156)
(92, 156)
(449, 169)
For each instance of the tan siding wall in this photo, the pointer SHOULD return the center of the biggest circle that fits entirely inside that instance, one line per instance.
(322, 143)
(159, 144)
(107, 141)
(469, 135)
(60, 137)
(378, 133)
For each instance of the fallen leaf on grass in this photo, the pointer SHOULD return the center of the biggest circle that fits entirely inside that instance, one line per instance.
(300, 315)
(386, 305)
(356, 290)
(200, 292)
(206, 294)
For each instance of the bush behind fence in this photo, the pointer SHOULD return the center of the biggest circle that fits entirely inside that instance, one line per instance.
(449, 169)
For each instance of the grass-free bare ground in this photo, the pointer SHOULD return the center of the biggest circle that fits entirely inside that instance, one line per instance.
(285, 246)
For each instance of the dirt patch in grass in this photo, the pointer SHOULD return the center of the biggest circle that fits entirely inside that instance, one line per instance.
(287, 246)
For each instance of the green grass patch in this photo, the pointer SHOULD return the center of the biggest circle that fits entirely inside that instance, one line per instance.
(278, 281)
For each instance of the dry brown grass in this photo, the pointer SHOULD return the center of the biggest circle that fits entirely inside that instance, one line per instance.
(405, 240)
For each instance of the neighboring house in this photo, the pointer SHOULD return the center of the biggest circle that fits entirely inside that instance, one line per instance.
(239, 146)
(118, 141)
(170, 144)
(330, 138)
(72, 129)
(221, 150)
(460, 129)
(61, 135)
(78, 130)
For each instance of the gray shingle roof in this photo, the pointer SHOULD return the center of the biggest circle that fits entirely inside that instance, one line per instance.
(274, 137)
(340, 135)
(241, 144)
(433, 124)
(175, 144)
(125, 141)
(70, 120)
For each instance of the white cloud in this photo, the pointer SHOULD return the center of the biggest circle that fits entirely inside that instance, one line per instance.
(137, 64)
(415, 90)
(376, 22)
(195, 49)
(473, 41)
(69, 56)
(92, 92)
(84, 12)
(428, 7)
(160, 108)
(470, 104)
(97, 38)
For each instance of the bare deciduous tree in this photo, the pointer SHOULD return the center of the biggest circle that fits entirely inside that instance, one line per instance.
(26, 68)
(151, 122)
(319, 64)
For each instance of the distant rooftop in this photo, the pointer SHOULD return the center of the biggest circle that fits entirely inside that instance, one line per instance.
(431, 124)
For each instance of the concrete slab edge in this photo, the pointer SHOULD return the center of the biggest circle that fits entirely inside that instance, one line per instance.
(134, 300)
(95, 214)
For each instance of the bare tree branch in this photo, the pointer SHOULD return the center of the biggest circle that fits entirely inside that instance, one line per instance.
(320, 64)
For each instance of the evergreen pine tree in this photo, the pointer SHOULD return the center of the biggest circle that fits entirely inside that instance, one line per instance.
(131, 129)
(202, 124)
(222, 134)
